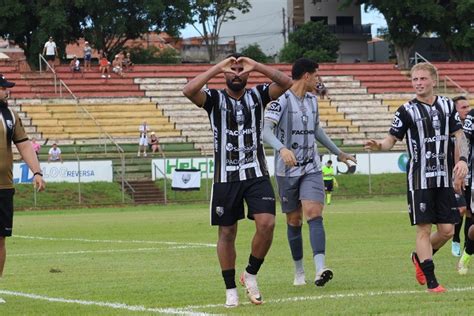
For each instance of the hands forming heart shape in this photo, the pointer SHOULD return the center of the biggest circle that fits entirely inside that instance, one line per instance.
(238, 66)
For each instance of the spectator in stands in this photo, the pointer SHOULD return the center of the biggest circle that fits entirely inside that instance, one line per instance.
(75, 65)
(54, 153)
(127, 63)
(154, 145)
(50, 51)
(87, 56)
(320, 88)
(235, 114)
(117, 66)
(12, 132)
(104, 65)
(143, 140)
(36, 146)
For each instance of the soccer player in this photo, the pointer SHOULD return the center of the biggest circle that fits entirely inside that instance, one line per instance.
(292, 128)
(236, 117)
(427, 122)
(464, 205)
(328, 178)
(463, 264)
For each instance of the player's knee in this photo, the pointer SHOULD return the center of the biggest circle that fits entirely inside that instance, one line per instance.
(266, 227)
(447, 232)
(227, 233)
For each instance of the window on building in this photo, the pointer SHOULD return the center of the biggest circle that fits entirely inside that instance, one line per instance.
(323, 19)
(344, 20)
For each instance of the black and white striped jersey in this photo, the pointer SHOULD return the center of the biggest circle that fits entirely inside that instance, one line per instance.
(237, 127)
(468, 128)
(427, 128)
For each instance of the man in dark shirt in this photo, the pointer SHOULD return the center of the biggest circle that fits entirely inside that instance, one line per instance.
(428, 121)
(236, 117)
(11, 130)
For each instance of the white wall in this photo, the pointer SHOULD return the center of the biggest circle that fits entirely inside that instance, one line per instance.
(262, 25)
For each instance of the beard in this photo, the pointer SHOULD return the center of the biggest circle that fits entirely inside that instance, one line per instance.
(236, 84)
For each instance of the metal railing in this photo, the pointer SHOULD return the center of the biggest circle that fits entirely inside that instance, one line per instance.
(58, 83)
(165, 181)
(446, 79)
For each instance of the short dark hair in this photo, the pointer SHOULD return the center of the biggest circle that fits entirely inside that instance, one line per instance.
(302, 66)
(329, 162)
(235, 55)
(459, 98)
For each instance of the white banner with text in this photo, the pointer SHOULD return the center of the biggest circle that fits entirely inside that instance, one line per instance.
(67, 171)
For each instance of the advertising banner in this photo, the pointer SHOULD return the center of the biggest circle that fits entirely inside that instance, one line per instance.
(68, 171)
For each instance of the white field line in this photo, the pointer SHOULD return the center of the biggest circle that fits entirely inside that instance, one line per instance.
(333, 296)
(80, 252)
(112, 241)
(122, 306)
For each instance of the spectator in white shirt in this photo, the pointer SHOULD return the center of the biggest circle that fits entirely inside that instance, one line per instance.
(54, 154)
(50, 51)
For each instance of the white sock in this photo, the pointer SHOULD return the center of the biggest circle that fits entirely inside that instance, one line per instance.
(319, 262)
(299, 266)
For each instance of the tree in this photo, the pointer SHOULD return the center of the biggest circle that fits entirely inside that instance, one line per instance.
(312, 40)
(29, 23)
(154, 55)
(210, 15)
(455, 28)
(107, 24)
(407, 20)
(255, 52)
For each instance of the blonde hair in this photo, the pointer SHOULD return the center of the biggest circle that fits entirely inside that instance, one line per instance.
(425, 66)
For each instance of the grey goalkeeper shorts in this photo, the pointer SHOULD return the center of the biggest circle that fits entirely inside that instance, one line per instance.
(293, 190)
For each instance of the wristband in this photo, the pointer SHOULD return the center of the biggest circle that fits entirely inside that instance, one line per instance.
(462, 158)
(37, 173)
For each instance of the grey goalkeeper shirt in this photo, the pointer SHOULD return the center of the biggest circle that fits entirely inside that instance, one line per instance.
(296, 120)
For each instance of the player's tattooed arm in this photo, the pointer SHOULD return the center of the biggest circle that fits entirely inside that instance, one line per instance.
(463, 144)
(460, 169)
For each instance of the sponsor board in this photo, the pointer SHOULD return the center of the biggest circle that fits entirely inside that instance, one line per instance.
(68, 171)
(375, 163)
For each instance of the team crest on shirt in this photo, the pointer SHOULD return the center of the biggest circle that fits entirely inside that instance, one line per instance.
(423, 207)
(9, 124)
(220, 211)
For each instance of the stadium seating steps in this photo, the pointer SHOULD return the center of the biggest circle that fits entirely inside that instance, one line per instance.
(362, 100)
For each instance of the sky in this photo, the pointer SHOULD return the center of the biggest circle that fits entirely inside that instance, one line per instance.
(374, 17)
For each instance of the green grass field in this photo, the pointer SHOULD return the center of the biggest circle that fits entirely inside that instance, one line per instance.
(162, 260)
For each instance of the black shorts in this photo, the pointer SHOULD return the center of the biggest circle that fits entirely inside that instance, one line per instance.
(433, 206)
(50, 57)
(328, 185)
(227, 201)
(6, 212)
